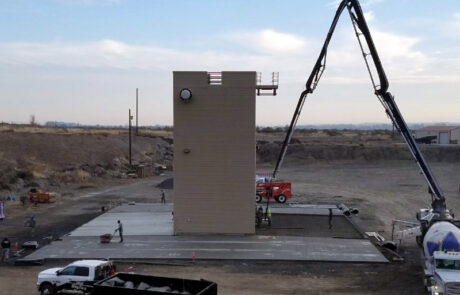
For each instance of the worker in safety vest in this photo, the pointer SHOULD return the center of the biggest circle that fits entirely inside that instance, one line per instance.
(269, 216)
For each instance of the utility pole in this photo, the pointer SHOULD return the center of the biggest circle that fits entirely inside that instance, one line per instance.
(137, 112)
(129, 134)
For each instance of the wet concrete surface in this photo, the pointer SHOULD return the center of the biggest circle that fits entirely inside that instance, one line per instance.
(148, 232)
(311, 226)
(214, 247)
(138, 220)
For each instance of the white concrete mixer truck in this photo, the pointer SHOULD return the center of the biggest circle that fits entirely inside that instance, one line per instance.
(441, 253)
(438, 233)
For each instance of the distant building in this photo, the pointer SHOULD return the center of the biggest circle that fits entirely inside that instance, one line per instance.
(438, 134)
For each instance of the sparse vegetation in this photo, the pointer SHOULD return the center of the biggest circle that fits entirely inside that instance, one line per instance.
(40, 156)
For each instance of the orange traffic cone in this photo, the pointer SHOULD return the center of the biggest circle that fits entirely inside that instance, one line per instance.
(193, 256)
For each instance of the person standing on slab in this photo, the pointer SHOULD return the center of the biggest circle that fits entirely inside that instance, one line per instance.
(30, 222)
(6, 245)
(120, 230)
(330, 218)
(163, 197)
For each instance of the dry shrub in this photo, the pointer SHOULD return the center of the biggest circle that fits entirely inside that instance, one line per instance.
(76, 176)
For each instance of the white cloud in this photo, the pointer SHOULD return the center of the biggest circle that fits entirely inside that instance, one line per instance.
(334, 3)
(270, 41)
(113, 47)
(365, 3)
(369, 16)
(456, 21)
(91, 71)
(107, 54)
(273, 51)
(88, 2)
(399, 55)
(371, 2)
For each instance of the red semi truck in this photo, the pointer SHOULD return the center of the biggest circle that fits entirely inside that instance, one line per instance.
(278, 190)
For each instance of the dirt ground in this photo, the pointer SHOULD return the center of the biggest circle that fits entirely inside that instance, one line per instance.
(383, 191)
(261, 278)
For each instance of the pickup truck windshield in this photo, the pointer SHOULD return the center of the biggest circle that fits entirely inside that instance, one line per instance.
(82, 271)
(75, 271)
(447, 264)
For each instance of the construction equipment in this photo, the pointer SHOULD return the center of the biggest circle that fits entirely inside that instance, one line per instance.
(40, 196)
(105, 238)
(278, 190)
(435, 217)
(438, 210)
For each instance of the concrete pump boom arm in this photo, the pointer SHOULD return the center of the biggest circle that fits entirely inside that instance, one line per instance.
(381, 91)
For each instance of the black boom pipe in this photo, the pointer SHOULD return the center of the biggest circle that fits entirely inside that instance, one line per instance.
(386, 98)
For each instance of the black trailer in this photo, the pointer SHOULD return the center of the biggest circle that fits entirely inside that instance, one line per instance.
(137, 284)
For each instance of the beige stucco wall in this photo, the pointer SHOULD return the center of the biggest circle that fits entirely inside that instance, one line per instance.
(214, 184)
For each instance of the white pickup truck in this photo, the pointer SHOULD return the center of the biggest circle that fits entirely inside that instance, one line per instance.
(74, 276)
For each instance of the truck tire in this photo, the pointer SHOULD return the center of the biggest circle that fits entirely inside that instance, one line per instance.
(47, 289)
(427, 284)
(281, 199)
(258, 198)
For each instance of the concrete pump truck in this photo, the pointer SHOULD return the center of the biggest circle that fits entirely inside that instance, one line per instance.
(437, 233)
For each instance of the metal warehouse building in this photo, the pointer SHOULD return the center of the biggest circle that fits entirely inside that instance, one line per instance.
(439, 134)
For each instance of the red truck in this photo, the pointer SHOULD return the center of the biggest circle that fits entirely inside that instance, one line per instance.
(280, 190)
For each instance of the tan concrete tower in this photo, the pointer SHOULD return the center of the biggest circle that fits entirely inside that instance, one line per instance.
(214, 152)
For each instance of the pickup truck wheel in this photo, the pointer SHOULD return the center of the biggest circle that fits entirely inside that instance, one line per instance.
(47, 289)
(258, 198)
(281, 199)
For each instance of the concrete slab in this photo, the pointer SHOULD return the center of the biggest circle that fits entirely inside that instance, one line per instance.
(143, 207)
(148, 231)
(310, 225)
(215, 247)
(137, 220)
(310, 210)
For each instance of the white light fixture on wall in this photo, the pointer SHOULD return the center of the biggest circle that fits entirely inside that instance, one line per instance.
(185, 94)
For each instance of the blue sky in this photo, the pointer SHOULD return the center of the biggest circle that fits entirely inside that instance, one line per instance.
(81, 60)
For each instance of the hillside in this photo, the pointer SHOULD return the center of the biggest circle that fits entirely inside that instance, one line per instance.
(309, 146)
(47, 157)
(39, 156)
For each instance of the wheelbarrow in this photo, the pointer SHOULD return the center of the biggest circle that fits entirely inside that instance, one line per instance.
(105, 238)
